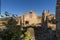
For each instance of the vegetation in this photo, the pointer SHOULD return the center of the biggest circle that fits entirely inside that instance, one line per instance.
(27, 33)
(12, 32)
(45, 34)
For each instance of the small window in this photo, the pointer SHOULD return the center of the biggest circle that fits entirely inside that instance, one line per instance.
(30, 13)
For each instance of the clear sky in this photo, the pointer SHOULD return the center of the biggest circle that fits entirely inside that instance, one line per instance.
(23, 6)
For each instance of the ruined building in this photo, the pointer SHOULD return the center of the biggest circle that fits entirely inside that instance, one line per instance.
(33, 22)
(48, 20)
(32, 19)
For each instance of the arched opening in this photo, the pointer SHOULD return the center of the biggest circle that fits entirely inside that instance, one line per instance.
(26, 22)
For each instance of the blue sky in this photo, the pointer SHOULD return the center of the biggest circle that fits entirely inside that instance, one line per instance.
(20, 7)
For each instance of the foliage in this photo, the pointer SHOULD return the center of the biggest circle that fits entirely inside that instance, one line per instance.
(27, 37)
(12, 32)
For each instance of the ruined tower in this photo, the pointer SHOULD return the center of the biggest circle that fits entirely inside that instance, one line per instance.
(44, 18)
(58, 18)
(44, 15)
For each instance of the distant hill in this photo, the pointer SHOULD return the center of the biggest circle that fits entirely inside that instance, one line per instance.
(3, 19)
